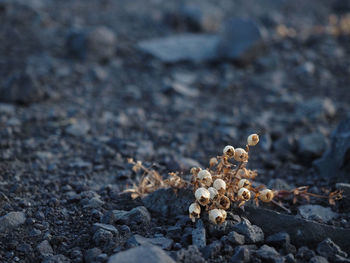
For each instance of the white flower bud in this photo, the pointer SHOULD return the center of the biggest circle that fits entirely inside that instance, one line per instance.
(202, 196)
(216, 217)
(266, 195)
(244, 194)
(220, 185)
(244, 183)
(194, 211)
(213, 192)
(241, 155)
(253, 139)
(205, 177)
(229, 151)
(213, 161)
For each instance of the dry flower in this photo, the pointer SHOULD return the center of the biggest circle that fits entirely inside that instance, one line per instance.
(229, 151)
(241, 155)
(253, 139)
(202, 196)
(194, 211)
(220, 185)
(205, 178)
(213, 193)
(266, 195)
(224, 202)
(244, 183)
(215, 216)
(243, 194)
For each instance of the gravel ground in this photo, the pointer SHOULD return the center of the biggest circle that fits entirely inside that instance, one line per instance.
(78, 96)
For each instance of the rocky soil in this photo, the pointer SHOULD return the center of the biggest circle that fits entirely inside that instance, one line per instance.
(84, 85)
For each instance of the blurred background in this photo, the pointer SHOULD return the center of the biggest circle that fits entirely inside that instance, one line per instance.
(86, 84)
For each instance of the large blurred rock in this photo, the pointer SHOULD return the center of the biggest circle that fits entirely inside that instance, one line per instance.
(335, 163)
(302, 232)
(96, 44)
(184, 47)
(240, 39)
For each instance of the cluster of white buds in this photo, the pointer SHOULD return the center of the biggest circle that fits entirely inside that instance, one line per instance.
(224, 182)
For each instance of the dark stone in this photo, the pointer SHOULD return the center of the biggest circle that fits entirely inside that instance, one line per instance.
(136, 216)
(91, 255)
(235, 238)
(240, 39)
(21, 88)
(316, 109)
(44, 248)
(305, 253)
(335, 162)
(189, 255)
(241, 254)
(318, 259)
(56, 259)
(220, 229)
(289, 258)
(329, 249)
(11, 220)
(345, 202)
(312, 145)
(145, 254)
(302, 232)
(199, 235)
(281, 239)
(185, 47)
(163, 242)
(76, 43)
(166, 202)
(212, 250)
(109, 228)
(252, 233)
(102, 237)
(268, 254)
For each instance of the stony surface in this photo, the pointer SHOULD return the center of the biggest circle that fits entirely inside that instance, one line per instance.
(78, 98)
(317, 213)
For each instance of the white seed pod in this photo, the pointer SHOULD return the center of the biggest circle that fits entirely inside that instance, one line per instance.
(205, 177)
(253, 139)
(213, 161)
(244, 183)
(194, 211)
(220, 185)
(241, 155)
(244, 194)
(224, 202)
(229, 151)
(213, 192)
(216, 217)
(202, 196)
(224, 213)
(266, 195)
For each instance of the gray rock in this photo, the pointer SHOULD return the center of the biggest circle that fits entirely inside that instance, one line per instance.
(44, 248)
(279, 184)
(138, 215)
(79, 128)
(340, 259)
(289, 258)
(235, 238)
(189, 255)
(281, 239)
(109, 228)
(101, 43)
(165, 202)
(318, 259)
(221, 229)
(329, 249)
(145, 254)
(316, 108)
(91, 255)
(21, 88)
(184, 47)
(305, 253)
(335, 162)
(11, 220)
(267, 253)
(199, 235)
(56, 259)
(345, 202)
(302, 232)
(240, 39)
(102, 237)
(241, 255)
(252, 233)
(312, 145)
(163, 242)
(312, 212)
(212, 250)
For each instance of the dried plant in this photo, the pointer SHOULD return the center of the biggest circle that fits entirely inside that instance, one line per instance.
(227, 182)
